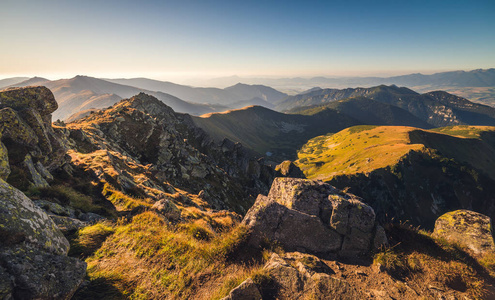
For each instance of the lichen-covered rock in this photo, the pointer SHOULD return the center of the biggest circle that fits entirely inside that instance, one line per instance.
(21, 217)
(247, 290)
(40, 98)
(67, 224)
(168, 209)
(41, 275)
(302, 276)
(311, 216)
(4, 162)
(468, 228)
(289, 169)
(28, 140)
(33, 252)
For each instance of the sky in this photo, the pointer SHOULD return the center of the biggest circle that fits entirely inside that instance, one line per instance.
(170, 40)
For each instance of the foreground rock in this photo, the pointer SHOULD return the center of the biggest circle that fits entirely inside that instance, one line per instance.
(314, 217)
(33, 252)
(467, 228)
(29, 149)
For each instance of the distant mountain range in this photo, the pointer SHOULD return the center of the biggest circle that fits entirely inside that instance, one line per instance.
(474, 78)
(82, 93)
(330, 110)
(476, 85)
(435, 108)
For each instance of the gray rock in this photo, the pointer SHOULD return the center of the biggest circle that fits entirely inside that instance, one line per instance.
(33, 252)
(20, 216)
(4, 162)
(247, 290)
(40, 275)
(67, 223)
(168, 209)
(311, 216)
(90, 217)
(468, 228)
(294, 279)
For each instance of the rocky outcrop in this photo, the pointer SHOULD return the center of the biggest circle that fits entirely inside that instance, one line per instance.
(289, 169)
(33, 252)
(144, 145)
(314, 217)
(468, 228)
(30, 149)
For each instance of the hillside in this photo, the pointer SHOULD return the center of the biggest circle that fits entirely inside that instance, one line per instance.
(405, 172)
(436, 108)
(269, 132)
(367, 111)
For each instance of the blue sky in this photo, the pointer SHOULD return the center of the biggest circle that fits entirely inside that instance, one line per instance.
(174, 39)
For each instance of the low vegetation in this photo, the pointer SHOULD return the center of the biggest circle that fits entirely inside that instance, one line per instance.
(424, 262)
(362, 149)
(200, 259)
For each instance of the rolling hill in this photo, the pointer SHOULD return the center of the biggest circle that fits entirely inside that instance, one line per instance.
(269, 132)
(406, 172)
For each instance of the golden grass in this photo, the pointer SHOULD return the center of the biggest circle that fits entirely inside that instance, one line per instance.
(164, 261)
(422, 261)
(353, 151)
(121, 201)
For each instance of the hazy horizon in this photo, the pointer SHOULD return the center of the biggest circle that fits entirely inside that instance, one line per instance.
(179, 40)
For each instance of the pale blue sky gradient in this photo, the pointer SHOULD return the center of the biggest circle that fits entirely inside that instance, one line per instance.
(174, 39)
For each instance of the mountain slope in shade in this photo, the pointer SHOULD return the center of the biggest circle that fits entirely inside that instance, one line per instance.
(236, 93)
(11, 81)
(437, 108)
(268, 131)
(367, 111)
(408, 173)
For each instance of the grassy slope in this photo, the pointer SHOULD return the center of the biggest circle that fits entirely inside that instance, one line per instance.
(264, 130)
(363, 149)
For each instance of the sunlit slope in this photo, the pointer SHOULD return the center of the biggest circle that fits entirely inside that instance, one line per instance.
(265, 130)
(406, 173)
(363, 149)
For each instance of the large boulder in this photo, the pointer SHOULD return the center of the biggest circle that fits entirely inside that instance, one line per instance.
(468, 228)
(299, 276)
(314, 217)
(29, 147)
(33, 252)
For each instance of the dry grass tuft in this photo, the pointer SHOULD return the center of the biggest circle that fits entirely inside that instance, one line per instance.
(160, 260)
